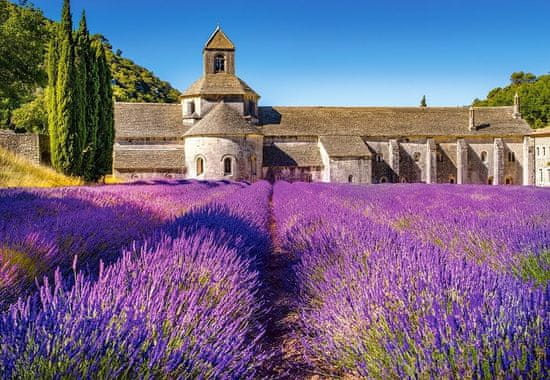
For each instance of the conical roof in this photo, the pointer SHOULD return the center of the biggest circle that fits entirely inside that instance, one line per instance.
(218, 40)
(222, 120)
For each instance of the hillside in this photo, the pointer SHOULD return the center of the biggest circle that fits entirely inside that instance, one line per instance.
(18, 172)
(24, 36)
(534, 93)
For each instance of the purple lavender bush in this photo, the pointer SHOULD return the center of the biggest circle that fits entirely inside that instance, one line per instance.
(42, 229)
(184, 304)
(381, 299)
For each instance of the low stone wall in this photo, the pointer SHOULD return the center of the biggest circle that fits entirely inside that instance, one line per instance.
(26, 145)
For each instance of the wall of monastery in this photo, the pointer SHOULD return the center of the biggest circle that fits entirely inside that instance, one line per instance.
(213, 150)
(542, 161)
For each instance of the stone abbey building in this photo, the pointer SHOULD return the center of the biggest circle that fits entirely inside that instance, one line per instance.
(220, 132)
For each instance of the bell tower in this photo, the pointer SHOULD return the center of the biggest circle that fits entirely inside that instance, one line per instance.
(219, 54)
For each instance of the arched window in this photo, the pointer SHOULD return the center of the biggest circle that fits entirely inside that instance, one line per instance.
(350, 178)
(511, 157)
(416, 156)
(439, 157)
(452, 180)
(199, 166)
(509, 181)
(483, 156)
(383, 180)
(538, 151)
(490, 181)
(379, 157)
(219, 64)
(227, 166)
(403, 180)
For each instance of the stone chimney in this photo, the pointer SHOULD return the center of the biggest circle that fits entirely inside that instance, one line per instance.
(517, 109)
(471, 119)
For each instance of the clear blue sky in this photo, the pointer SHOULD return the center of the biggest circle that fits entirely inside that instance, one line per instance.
(298, 52)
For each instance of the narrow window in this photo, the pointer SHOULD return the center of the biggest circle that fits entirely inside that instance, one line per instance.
(541, 176)
(416, 156)
(350, 179)
(227, 166)
(190, 108)
(451, 180)
(490, 181)
(548, 170)
(544, 151)
(511, 157)
(219, 64)
(484, 156)
(253, 164)
(200, 166)
(379, 157)
(403, 180)
(439, 157)
(383, 180)
(509, 181)
(538, 151)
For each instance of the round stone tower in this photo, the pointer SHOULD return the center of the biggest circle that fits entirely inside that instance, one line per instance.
(223, 145)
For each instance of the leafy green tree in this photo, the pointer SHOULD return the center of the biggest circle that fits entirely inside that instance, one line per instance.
(423, 101)
(24, 33)
(32, 116)
(534, 93)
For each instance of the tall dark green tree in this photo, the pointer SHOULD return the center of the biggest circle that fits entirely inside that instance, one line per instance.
(423, 101)
(66, 141)
(89, 83)
(105, 130)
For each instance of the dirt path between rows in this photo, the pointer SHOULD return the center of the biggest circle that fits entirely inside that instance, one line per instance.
(281, 295)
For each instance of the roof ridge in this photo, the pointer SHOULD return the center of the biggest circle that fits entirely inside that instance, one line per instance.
(150, 103)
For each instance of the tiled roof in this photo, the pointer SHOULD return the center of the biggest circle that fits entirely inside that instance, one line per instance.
(148, 157)
(148, 120)
(389, 121)
(222, 120)
(219, 84)
(345, 146)
(542, 131)
(218, 40)
(292, 154)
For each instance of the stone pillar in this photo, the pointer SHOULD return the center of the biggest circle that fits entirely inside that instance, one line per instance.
(461, 162)
(528, 161)
(393, 161)
(431, 161)
(498, 162)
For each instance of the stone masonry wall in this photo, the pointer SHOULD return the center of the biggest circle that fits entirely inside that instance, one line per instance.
(26, 145)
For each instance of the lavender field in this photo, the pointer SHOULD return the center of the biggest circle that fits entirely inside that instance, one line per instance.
(215, 280)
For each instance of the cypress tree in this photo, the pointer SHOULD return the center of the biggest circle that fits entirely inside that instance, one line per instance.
(105, 131)
(89, 89)
(423, 101)
(51, 101)
(81, 49)
(67, 144)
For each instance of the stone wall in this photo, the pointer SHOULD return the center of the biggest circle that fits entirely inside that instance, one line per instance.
(542, 161)
(350, 170)
(26, 145)
(213, 150)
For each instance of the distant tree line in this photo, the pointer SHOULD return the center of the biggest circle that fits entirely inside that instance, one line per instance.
(534, 93)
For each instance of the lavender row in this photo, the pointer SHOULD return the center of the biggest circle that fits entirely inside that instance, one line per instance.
(41, 230)
(378, 300)
(184, 304)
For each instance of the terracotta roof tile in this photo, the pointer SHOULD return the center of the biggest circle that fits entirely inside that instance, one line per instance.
(222, 120)
(292, 154)
(388, 121)
(219, 84)
(345, 146)
(148, 120)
